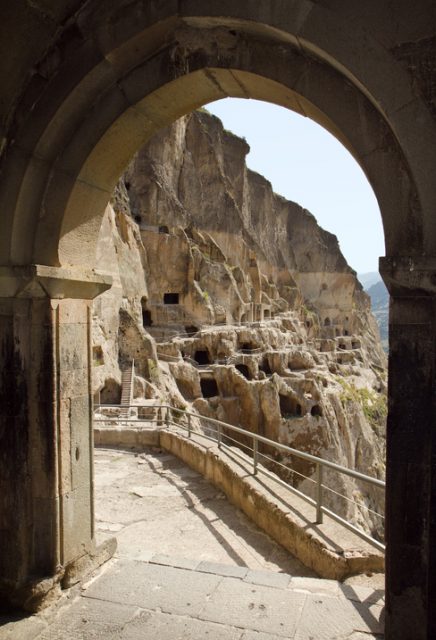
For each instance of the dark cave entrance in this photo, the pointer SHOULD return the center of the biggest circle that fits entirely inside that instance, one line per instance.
(242, 368)
(146, 318)
(191, 330)
(171, 298)
(201, 356)
(209, 388)
(316, 411)
(289, 407)
(265, 367)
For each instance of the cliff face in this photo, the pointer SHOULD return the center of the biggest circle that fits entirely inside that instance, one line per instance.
(219, 270)
(193, 176)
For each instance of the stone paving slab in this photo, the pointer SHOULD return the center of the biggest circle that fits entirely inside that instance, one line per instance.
(18, 628)
(228, 570)
(131, 600)
(159, 626)
(326, 588)
(268, 579)
(254, 607)
(89, 619)
(336, 618)
(175, 561)
(151, 586)
(254, 635)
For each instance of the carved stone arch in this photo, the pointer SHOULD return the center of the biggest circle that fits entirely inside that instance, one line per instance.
(155, 64)
(92, 81)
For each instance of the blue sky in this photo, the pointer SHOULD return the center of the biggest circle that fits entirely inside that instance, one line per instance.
(308, 165)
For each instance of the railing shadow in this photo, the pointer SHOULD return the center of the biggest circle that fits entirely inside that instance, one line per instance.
(191, 493)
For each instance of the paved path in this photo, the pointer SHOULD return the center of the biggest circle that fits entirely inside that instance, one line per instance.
(153, 503)
(191, 567)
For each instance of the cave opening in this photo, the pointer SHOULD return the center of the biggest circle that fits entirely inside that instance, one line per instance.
(191, 329)
(146, 318)
(248, 347)
(209, 387)
(111, 392)
(327, 322)
(171, 298)
(201, 356)
(242, 368)
(316, 411)
(264, 366)
(97, 355)
(289, 407)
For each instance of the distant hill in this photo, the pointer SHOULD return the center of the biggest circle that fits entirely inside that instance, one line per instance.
(368, 279)
(375, 288)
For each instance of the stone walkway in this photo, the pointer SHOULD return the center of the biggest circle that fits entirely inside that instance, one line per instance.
(153, 503)
(190, 566)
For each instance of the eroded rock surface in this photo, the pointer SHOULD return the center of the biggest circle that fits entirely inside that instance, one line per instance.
(234, 302)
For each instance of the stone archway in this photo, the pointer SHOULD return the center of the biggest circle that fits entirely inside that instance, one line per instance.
(113, 76)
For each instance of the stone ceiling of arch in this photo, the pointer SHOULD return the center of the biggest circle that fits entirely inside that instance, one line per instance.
(98, 50)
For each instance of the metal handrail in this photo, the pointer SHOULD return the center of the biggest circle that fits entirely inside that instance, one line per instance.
(257, 468)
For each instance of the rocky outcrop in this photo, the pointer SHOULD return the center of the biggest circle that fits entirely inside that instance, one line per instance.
(234, 302)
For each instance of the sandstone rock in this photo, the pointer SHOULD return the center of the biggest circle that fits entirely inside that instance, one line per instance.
(234, 302)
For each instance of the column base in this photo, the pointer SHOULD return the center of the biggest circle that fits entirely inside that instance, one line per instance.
(35, 595)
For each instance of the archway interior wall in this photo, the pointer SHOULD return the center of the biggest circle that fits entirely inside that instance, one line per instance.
(159, 91)
(128, 103)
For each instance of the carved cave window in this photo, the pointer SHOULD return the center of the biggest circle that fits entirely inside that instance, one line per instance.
(209, 388)
(171, 298)
(201, 356)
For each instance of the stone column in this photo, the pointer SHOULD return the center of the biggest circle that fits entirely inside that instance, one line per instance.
(46, 469)
(411, 450)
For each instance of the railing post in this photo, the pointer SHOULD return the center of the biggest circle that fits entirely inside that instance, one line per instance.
(319, 514)
(167, 418)
(189, 425)
(255, 452)
(219, 436)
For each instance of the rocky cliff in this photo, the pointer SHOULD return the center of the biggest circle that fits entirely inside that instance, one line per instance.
(233, 301)
(380, 307)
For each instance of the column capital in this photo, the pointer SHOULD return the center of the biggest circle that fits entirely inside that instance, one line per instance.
(42, 281)
(409, 276)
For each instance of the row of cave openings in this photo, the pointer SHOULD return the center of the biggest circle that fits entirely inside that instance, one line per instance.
(174, 299)
(289, 406)
(338, 332)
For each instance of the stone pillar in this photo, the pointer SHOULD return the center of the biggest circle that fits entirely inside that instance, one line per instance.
(46, 470)
(411, 450)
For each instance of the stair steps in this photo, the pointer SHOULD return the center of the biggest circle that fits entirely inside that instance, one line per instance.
(127, 389)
